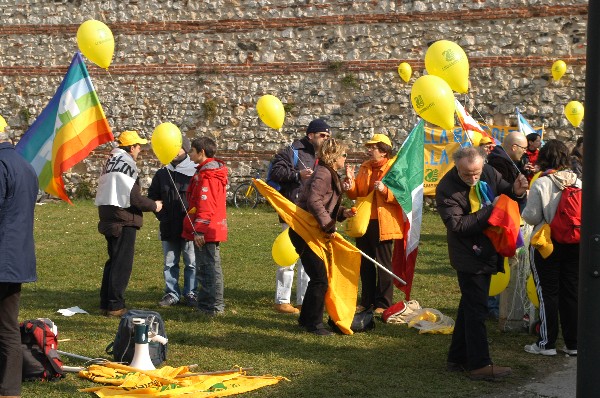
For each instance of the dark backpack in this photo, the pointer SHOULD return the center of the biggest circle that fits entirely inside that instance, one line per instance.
(269, 179)
(123, 347)
(362, 322)
(40, 358)
(566, 224)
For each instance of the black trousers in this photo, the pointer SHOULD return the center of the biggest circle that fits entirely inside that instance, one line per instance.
(117, 269)
(469, 345)
(377, 285)
(311, 315)
(11, 353)
(557, 281)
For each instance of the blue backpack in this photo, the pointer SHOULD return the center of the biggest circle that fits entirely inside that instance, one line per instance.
(274, 183)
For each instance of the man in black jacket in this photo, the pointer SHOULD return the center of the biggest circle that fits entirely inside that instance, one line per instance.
(506, 158)
(473, 257)
(120, 206)
(291, 167)
(169, 185)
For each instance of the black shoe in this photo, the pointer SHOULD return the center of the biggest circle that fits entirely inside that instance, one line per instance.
(321, 332)
(455, 367)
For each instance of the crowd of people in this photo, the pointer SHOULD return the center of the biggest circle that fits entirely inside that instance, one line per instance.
(188, 197)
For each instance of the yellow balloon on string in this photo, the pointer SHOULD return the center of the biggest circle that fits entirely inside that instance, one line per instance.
(448, 60)
(96, 42)
(283, 251)
(270, 111)
(500, 281)
(405, 71)
(558, 69)
(574, 112)
(433, 100)
(166, 142)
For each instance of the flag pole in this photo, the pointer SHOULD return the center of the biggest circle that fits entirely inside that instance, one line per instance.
(382, 267)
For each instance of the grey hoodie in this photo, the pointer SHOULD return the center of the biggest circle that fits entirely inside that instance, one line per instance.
(544, 196)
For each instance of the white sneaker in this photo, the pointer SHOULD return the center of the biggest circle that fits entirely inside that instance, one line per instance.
(535, 349)
(571, 353)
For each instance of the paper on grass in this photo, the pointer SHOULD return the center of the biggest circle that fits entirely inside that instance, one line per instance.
(71, 311)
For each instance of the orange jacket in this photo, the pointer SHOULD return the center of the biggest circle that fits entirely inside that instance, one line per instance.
(386, 208)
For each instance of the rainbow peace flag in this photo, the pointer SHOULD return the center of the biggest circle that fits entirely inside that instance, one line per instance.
(68, 129)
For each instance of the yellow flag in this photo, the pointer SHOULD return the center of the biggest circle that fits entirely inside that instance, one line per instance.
(341, 258)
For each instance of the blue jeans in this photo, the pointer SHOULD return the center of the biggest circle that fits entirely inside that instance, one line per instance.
(210, 278)
(172, 250)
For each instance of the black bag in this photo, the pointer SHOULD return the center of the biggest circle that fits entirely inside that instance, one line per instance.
(362, 322)
(40, 358)
(123, 347)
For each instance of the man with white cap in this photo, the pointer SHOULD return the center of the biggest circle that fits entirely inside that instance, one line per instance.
(18, 193)
(120, 206)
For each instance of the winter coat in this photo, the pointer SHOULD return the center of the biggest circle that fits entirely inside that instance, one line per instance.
(544, 197)
(286, 173)
(173, 197)
(321, 196)
(207, 195)
(469, 249)
(18, 194)
(388, 211)
(500, 160)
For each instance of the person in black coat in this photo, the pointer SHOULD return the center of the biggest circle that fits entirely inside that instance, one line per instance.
(18, 194)
(473, 256)
(170, 184)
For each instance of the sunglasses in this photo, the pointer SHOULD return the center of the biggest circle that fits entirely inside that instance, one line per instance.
(324, 135)
(344, 155)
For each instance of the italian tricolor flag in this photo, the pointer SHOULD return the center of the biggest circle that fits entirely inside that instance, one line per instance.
(405, 180)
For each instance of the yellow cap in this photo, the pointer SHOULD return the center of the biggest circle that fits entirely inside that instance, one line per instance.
(131, 137)
(379, 138)
(3, 124)
(542, 242)
(485, 140)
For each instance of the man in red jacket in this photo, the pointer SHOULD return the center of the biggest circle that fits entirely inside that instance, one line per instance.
(207, 196)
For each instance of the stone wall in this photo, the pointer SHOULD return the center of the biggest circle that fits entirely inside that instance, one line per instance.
(203, 65)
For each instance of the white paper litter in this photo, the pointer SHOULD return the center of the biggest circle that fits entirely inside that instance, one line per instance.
(72, 311)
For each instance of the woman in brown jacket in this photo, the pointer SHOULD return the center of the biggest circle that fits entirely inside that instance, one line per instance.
(321, 196)
(385, 224)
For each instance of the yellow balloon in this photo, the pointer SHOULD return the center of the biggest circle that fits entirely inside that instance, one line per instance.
(558, 69)
(405, 71)
(448, 60)
(270, 111)
(500, 281)
(96, 42)
(283, 251)
(532, 292)
(574, 112)
(166, 142)
(433, 100)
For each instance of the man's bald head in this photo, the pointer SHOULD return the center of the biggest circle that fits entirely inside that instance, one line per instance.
(515, 145)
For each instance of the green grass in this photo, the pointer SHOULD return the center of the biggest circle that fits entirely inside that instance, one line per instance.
(389, 361)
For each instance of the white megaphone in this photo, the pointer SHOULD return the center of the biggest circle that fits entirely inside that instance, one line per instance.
(141, 357)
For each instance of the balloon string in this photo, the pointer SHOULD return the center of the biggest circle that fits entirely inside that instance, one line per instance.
(181, 199)
(501, 147)
(121, 97)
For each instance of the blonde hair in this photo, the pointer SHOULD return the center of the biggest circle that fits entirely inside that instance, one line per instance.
(331, 150)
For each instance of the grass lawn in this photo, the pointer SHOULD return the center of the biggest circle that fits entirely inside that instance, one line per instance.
(389, 361)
